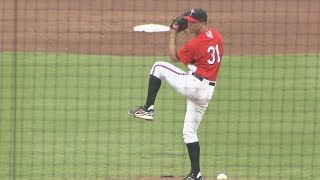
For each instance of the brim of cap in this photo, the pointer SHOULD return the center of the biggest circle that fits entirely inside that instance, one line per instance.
(190, 19)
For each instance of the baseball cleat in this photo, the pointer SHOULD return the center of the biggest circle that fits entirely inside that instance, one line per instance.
(191, 176)
(142, 113)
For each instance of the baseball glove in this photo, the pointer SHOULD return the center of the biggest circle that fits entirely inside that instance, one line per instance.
(179, 24)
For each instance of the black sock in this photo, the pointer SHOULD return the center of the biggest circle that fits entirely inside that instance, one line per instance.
(194, 155)
(154, 86)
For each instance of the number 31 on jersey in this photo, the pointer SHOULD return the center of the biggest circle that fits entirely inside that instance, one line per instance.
(215, 55)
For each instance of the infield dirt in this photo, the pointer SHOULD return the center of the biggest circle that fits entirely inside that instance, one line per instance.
(106, 27)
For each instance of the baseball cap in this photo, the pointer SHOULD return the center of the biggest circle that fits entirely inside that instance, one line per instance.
(196, 15)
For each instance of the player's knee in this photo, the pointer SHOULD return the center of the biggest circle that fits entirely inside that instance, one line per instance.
(158, 64)
(155, 70)
(190, 136)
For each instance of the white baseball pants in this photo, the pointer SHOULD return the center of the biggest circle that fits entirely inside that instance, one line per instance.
(198, 94)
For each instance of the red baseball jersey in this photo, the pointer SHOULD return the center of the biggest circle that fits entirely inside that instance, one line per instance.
(205, 51)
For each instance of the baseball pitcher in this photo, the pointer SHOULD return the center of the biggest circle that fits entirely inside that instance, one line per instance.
(202, 55)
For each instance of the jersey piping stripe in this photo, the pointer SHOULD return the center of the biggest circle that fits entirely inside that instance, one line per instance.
(160, 65)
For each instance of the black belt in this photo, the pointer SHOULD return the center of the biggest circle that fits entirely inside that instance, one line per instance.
(201, 79)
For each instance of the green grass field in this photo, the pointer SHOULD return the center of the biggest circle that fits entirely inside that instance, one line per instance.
(64, 116)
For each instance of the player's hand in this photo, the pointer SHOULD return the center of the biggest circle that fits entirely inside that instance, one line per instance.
(174, 32)
(179, 23)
